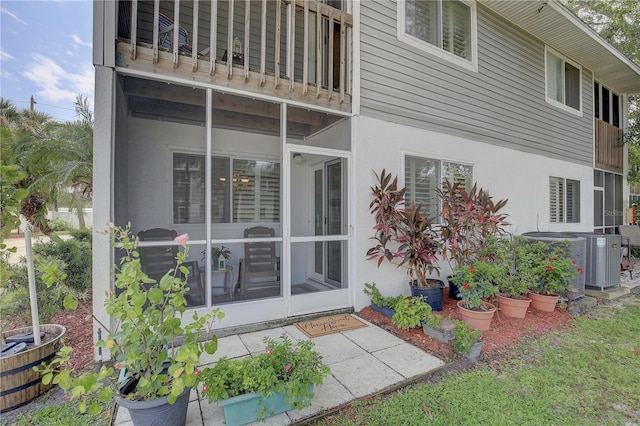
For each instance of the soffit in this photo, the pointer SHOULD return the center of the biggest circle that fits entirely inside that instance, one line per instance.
(556, 26)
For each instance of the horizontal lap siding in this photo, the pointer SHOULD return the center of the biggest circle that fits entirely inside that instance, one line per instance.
(503, 103)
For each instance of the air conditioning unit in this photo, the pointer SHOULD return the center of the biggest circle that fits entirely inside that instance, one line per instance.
(577, 250)
(604, 254)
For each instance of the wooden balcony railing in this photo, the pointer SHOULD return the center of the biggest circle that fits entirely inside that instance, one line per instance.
(609, 149)
(300, 46)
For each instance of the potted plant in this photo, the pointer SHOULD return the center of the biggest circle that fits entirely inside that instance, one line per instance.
(466, 341)
(468, 219)
(154, 354)
(405, 237)
(379, 303)
(218, 254)
(277, 380)
(555, 269)
(476, 282)
(410, 312)
(517, 260)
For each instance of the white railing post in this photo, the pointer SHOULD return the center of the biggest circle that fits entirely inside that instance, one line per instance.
(176, 32)
(194, 41)
(134, 27)
(213, 36)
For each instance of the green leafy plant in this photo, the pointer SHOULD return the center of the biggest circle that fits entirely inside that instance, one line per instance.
(284, 367)
(378, 299)
(554, 267)
(410, 312)
(216, 252)
(515, 259)
(476, 281)
(404, 236)
(464, 336)
(150, 344)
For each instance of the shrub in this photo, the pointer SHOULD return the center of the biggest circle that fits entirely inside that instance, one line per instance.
(74, 253)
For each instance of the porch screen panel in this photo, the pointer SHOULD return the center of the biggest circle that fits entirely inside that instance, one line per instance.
(456, 28)
(422, 178)
(188, 188)
(556, 207)
(618, 205)
(421, 20)
(220, 188)
(573, 201)
(609, 198)
(256, 191)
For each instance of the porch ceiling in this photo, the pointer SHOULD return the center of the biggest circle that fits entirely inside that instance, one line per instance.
(556, 26)
(171, 102)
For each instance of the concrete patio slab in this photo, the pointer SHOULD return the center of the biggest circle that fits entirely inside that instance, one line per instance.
(362, 362)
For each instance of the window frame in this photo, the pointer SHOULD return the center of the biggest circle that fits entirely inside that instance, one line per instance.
(230, 211)
(563, 193)
(613, 108)
(441, 170)
(432, 49)
(550, 100)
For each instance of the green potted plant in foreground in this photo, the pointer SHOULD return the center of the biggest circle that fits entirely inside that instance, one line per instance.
(154, 354)
(475, 283)
(277, 380)
(386, 305)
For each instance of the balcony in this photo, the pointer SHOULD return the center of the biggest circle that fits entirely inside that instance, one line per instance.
(299, 50)
(609, 150)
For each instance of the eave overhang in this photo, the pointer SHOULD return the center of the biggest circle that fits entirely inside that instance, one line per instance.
(555, 25)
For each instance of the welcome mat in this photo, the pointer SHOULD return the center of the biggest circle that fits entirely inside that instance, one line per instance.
(328, 325)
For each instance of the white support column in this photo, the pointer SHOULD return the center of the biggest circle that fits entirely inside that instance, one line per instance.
(103, 149)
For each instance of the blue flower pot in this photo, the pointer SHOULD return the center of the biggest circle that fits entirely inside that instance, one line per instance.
(387, 312)
(431, 295)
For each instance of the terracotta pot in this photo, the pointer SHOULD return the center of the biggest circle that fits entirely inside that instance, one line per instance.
(479, 320)
(514, 308)
(543, 303)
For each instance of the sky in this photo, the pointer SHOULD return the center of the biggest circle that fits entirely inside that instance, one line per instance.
(46, 52)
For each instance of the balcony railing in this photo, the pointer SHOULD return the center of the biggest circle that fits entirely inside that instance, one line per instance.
(298, 49)
(609, 150)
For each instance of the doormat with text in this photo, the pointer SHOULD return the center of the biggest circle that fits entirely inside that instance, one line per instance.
(327, 325)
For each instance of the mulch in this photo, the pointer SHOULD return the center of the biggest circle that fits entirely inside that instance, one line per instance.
(504, 333)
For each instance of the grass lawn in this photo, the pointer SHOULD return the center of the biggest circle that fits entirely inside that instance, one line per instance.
(589, 375)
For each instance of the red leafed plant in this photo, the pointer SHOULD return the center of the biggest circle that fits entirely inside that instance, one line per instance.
(404, 236)
(468, 219)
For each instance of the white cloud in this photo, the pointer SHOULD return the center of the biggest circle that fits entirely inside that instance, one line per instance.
(69, 53)
(56, 84)
(4, 55)
(77, 40)
(8, 76)
(4, 11)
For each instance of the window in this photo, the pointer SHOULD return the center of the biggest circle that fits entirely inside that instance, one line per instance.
(443, 27)
(564, 200)
(423, 176)
(564, 82)
(606, 105)
(245, 190)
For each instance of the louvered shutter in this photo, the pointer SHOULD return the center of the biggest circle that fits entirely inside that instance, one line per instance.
(188, 188)
(573, 201)
(458, 173)
(256, 191)
(556, 193)
(456, 28)
(422, 176)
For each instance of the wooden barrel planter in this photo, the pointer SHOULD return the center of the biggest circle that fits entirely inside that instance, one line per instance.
(19, 383)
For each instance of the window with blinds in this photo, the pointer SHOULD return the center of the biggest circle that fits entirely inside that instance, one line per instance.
(444, 24)
(423, 176)
(245, 190)
(564, 81)
(564, 200)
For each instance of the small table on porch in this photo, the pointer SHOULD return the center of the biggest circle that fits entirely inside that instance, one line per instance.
(221, 288)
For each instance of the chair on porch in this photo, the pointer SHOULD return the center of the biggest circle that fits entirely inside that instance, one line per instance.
(260, 267)
(156, 261)
(165, 29)
(630, 235)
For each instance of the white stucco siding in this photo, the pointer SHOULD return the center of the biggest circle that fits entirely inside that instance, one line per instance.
(520, 177)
